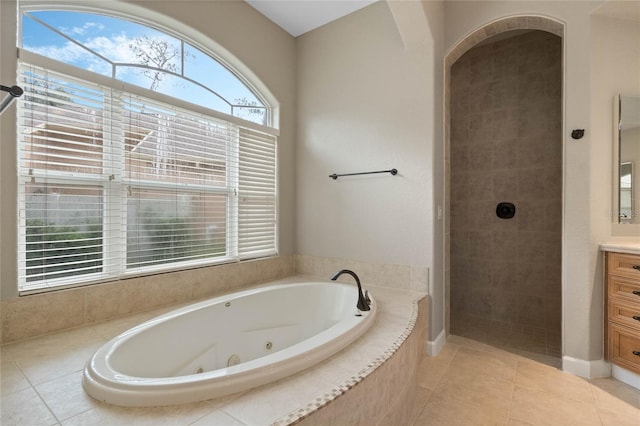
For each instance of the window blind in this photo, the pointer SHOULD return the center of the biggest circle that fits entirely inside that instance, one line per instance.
(113, 183)
(257, 192)
(64, 190)
(180, 170)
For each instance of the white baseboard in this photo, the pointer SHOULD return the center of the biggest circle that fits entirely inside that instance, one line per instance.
(434, 347)
(626, 376)
(587, 369)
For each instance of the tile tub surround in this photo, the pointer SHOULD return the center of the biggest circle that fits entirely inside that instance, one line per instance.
(41, 377)
(406, 277)
(40, 314)
(382, 393)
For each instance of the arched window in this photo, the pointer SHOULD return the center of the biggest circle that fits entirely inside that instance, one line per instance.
(140, 55)
(138, 152)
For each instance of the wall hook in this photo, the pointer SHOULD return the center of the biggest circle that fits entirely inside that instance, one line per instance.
(577, 133)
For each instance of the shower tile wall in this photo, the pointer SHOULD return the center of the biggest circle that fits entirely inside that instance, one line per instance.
(506, 145)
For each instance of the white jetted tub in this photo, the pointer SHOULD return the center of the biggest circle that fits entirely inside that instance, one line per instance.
(226, 344)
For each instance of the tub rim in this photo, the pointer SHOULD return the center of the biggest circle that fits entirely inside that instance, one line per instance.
(130, 391)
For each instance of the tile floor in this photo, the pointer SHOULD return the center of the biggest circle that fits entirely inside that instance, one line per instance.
(468, 383)
(471, 383)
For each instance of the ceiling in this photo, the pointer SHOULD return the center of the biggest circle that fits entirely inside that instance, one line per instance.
(299, 16)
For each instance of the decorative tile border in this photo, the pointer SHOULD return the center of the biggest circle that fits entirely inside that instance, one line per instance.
(531, 22)
(324, 400)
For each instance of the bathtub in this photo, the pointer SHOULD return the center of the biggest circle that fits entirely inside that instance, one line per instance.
(226, 344)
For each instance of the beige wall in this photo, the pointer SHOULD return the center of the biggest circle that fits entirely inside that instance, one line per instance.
(366, 103)
(248, 40)
(615, 65)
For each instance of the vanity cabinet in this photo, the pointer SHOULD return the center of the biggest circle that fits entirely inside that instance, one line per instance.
(622, 330)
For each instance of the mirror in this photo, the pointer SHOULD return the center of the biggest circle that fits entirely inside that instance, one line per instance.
(628, 154)
(626, 191)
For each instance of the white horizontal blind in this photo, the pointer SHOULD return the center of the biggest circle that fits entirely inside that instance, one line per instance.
(178, 178)
(257, 194)
(113, 183)
(64, 185)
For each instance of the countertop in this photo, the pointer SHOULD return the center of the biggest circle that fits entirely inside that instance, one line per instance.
(630, 245)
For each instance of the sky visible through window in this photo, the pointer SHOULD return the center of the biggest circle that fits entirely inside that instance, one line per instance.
(121, 46)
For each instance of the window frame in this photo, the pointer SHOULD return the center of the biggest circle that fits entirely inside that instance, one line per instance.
(173, 28)
(231, 191)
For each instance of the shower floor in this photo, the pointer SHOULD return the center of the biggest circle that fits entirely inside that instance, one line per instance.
(508, 336)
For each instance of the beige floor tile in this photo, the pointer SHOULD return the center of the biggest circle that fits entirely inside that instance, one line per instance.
(514, 422)
(468, 396)
(65, 396)
(218, 417)
(617, 403)
(447, 411)
(25, 408)
(40, 369)
(441, 411)
(534, 375)
(432, 368)
(610, 391)
(56, 343)
(547, 396)
(544, 409)
(104, 414)
(54, 356)
(619, 418)
(11, 378)
(482, 364)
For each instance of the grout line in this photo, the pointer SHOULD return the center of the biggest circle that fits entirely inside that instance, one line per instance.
(513, 391)
(45, 404)
(595, 401)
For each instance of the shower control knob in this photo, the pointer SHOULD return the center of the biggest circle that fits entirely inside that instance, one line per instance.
(505, 210)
